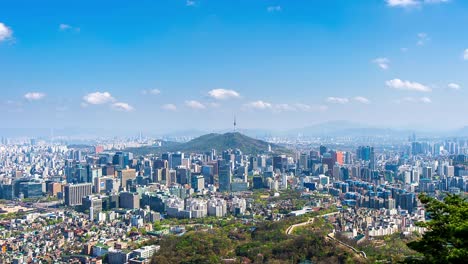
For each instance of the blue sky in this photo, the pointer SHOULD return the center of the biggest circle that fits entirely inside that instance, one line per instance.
(170, 65)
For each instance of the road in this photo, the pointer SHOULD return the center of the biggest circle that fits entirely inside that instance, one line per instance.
(290, 229)
(331, 236)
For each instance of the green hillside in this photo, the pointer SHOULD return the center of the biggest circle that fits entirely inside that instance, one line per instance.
(216, 141)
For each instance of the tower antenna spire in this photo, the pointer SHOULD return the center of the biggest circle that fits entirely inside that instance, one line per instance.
(235, 123)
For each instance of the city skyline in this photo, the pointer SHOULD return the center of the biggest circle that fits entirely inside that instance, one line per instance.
(275, 65)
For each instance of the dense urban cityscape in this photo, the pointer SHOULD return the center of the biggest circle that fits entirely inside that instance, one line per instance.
(91, 203)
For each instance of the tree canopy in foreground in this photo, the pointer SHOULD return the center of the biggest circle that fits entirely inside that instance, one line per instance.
(447, 235)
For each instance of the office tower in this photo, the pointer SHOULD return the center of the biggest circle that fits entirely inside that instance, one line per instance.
(53, 188)
(304, 161)
(262, 162)
(157, 175)
(124, 176)
(176, 159)
(31, 189)
(129, 200)
(338, 157)
(364, 153)
(225, 178)
(208, 173)
(253, 163)
(118, 160)
(241, 173)
(160, 164)
(74, 193)
(198, 182)
(323, 150)
(280, 163)
(93, 202)
(182, 175)
(449, 171)
(427, 172)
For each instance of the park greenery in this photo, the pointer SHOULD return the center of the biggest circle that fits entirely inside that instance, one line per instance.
(264, 242)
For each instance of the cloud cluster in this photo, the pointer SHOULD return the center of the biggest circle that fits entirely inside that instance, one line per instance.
(383, 63)
(222, 94)
(361, 100)
(97, 98)
(425, 100)
(193, 104)
(337, 100)
(262, 105)
(67, 27)
(454, 86)
(100, 98)
(5, 32)
(34, 96)
(422, 38)
(465, 54)
(169, 107)
(407, 85)
(151, 92)
(190, 3)
(413, 3)
(344, 100)
(122, 107)
(273, 9)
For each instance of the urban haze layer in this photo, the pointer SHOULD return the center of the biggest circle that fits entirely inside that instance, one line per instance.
(243, 132)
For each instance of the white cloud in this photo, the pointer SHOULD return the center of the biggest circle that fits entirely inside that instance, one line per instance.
(407, 85)
(436, 1)
(337, 100)
(454, 86)
(64, 27)
(383, 63)
(402, 3)
(310, 108)
(67, 27)
(283, 108)
(122, 107)
(97, 98)
(404, 49)
(195, 104)
(5, 32)
(425, 100)
(261, 105)
(422, 38)
(273, 9)
(169, 107)
(221, 94)
(465, 54)
(34, 96)
(152, 91)
(413, 3)
(361, 99)
(190, 3)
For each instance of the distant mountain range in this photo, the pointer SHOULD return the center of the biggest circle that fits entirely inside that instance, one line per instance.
(219, 142)
(331, 129)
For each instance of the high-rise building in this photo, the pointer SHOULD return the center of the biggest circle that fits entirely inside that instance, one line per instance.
(129, 200)
(124, 176)
(198, 182)
(176, 159)
(323, 150)
(225, 178)
(73, 193)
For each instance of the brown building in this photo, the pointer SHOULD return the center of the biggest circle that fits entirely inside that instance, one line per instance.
(124, 175)
(53, 188)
